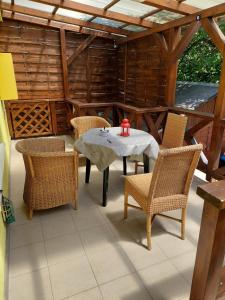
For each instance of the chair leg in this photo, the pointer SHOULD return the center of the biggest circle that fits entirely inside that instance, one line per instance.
(30, 213)
(183, 221)
(74, 204)
(135, 167)
(125, 204)
(148, 231)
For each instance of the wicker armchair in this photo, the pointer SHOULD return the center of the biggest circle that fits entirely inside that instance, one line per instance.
(173, 135)
(51, 174)
(82, 124)
(166, 188)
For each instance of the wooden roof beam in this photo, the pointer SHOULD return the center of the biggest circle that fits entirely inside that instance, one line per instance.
(214, 11)
(42, 22)
(54, 24)
(58, 18)
(98, 12)
(172, 5)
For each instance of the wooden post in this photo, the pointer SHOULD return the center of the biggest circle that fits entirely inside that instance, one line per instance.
(218, 129)
(125, 73)
(176, 47)
(174, 35)
(209, 271)
(64, 63)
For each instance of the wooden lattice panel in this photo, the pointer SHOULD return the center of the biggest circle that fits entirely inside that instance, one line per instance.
(31, 119)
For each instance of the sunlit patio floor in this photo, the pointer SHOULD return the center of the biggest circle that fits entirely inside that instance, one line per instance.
(92, 253)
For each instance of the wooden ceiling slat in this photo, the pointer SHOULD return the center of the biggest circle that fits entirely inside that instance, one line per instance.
(98, 12)
(111, 4)
(105, 8)
(172, 5)
(58, 18)
(149, 14)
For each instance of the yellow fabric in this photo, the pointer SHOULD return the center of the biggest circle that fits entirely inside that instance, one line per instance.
(8, 89)
(4, 137)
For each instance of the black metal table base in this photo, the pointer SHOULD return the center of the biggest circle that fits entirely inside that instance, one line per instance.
(106, 175)
(105, 186)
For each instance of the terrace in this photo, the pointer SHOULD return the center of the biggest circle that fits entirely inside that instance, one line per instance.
(110, 59)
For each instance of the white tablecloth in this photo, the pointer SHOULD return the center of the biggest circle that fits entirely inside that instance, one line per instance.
(102, 148)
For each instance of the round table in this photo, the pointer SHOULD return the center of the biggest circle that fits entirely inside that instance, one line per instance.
(102, 147)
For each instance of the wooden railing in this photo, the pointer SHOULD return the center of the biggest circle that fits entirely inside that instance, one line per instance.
(150, 119)
(208, 281)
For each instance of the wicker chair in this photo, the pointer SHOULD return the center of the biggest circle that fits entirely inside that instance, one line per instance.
(166, 188)
(82, 124)
(51, 174)
(173, 133)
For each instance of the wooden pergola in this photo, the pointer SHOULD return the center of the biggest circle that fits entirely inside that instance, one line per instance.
(113, 62)
(171, 41)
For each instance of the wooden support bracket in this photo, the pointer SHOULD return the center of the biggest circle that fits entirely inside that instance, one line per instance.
(81, 48)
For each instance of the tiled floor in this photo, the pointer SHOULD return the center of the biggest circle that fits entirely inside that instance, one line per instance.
(92, 253)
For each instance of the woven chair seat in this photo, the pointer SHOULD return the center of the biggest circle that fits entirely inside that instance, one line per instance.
(138, 187)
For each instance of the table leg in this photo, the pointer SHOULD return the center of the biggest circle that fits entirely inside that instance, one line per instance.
(88, 169)
(146, 163)
(124, 165)
(105, 186)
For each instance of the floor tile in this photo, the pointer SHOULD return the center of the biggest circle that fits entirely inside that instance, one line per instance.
(26, 259)
(25, 234)
(164, 282)
(140, 256)
(57, 226)
(31, 286)
(93, 294)
(63, 248)
(129, 287)
(85, 219)
(21, 217)
(185, 264)
(71, 277)
(96, 238)
(109, 263)
(173, 246)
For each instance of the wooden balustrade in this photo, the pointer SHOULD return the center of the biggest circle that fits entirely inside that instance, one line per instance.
(208, 281)
(150, 119)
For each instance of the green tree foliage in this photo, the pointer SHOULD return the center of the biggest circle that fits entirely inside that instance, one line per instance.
(201, 61)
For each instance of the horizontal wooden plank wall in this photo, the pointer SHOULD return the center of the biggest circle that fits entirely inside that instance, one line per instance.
(37, 59)
(38, 68)
(142, 73)
(93, 74)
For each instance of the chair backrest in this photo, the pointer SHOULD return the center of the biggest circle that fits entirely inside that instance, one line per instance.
(82, 124)
(40, 145)
(46, 158)
(173, 171)
(174, 131)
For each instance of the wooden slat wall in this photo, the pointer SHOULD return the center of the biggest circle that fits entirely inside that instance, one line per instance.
(93, 74)
(37, 60)
(143, 77)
